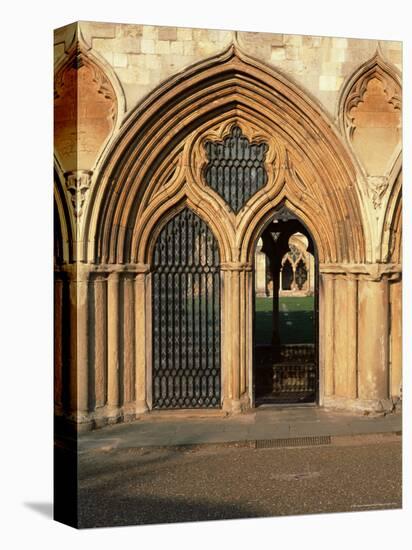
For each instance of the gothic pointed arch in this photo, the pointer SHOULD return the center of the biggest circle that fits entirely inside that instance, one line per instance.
(161, 152)
(391, 243)
(85, 121)
(62, 223)
(369, 114)
(159, 215)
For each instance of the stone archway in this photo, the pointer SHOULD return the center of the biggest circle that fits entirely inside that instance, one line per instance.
(157, 166)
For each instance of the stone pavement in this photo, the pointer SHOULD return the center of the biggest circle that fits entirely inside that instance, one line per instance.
(159, 429)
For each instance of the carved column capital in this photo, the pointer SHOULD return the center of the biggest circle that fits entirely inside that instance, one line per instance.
(78, 184)
(235, 266)
(373, 272)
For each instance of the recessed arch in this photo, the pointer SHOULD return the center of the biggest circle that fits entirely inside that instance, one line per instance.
(63, 224)
(186, 314)
(84, 123)
(391, 241)
(159, 215)
(318, 174)
(369, 114)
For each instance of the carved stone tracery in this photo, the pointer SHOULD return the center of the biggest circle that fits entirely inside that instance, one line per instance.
(235, 168)
(370, 111)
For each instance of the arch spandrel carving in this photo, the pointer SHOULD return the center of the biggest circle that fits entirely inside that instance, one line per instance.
(370, 115)
(85, 110)
(318, 182)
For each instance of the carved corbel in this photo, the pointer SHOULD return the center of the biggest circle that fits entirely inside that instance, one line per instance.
(78, 184)
(377, 188)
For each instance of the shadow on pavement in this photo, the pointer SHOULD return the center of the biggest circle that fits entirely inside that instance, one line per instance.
(42, 508)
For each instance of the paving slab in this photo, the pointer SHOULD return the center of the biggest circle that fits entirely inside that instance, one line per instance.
(263, 424)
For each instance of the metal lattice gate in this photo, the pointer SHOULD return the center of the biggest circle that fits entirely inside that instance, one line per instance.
(186, 315)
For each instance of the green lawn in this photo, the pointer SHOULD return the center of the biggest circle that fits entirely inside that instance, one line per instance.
(296, 320)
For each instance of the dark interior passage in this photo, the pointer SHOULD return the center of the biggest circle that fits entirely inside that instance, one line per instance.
(285, 327)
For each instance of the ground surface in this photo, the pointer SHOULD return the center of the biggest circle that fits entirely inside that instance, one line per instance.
(295, 319)
(135, 486)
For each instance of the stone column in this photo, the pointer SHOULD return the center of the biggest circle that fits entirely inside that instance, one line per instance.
(82, 340)
(235, 331)
(373, 338)
(100, 340)
(396, 338)
(113, 387)
(58, 344)
(237, 336)
(142, 341)
(129, 332)
(79, 375)
(352, 336)
(260, 272)
(326, 335)
(340, 330)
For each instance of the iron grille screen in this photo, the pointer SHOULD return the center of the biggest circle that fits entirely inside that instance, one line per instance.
(186, 315)
(236, 168)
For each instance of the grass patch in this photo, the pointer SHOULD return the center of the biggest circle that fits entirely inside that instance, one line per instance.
(296, 318)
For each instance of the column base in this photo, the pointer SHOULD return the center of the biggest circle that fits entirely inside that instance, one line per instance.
(237, 406)
(141, 407)
(360, 405)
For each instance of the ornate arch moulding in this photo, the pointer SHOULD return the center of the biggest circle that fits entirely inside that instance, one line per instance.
(307, 163)
(391, 237)
(155, 219)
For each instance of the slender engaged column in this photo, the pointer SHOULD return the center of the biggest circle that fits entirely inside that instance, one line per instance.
(78, 375)
(236, 335)
(328, 331)
(340, 329)
(235, 331)
(396, 338)
(82, 341)
(100, 341)
(58, 345)
(352, 337)
(243, 333)
(373, 339)
(226, 346)
(129, 332)
(72, 398)
(113, 395)
(141, 343)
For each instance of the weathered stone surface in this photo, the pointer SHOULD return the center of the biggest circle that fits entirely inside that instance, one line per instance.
(329, 110)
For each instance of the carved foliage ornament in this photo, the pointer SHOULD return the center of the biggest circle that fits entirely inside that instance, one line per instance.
(78, 185)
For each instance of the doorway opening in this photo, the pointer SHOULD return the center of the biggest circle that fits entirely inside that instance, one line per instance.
(285, 313)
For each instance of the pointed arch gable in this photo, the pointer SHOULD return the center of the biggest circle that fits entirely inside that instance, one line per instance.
(318, 180)
(371, 94)
(159, 215)
(81, 137)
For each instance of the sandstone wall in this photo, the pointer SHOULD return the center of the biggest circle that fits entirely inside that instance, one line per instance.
(143, 56)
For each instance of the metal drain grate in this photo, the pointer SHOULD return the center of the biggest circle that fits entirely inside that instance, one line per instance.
(293, 442)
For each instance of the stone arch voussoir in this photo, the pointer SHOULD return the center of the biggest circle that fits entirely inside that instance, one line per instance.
(316, 168)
